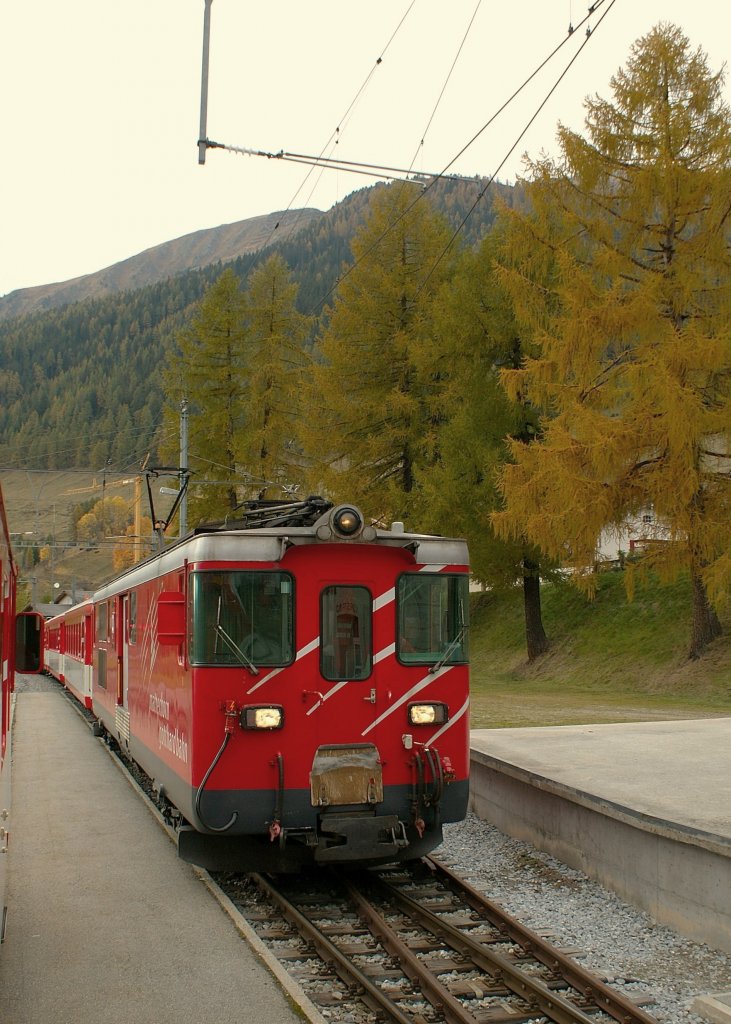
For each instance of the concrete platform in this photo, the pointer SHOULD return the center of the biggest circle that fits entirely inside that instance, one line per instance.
(644, 808)
(105, 924)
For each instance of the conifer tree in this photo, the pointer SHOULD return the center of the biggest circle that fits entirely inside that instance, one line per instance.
(276, 355)
(368, 405)
(210, 371)
(622, 276)
(475, 333)
(239, 365)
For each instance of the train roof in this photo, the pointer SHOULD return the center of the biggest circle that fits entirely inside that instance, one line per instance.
(235, 542)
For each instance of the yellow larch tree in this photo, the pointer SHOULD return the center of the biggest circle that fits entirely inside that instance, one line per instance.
(369, 399)
(621, 273)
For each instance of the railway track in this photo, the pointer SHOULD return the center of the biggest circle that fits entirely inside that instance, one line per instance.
(413, 944)
(417, 945)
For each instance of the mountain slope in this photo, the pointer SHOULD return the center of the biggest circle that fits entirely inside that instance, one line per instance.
(189, 252)
(81, 383)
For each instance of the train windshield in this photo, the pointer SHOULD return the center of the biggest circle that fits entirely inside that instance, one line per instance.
(433, 623)
(241, 617)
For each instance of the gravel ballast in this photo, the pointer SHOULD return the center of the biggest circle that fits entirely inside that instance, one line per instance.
(620, 942)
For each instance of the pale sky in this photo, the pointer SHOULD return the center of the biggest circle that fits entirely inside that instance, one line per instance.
(101, 106)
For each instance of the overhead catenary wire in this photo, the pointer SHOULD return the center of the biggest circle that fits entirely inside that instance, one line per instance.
(594, 7)
(433, 178)
(329, 163)
(589, 35)
(321, 160)
(8, 450)
(361, 167)
(446, 83)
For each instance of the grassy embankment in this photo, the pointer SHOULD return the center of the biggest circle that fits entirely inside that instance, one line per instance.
(610, 660)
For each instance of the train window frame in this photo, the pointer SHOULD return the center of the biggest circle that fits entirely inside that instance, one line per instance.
(132, 618)
(453, 645)
(102, 621)
(225, 656)
(329, 638)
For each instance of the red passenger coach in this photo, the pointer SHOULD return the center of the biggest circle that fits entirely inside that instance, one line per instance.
(20, 647)
(52, 646)
(69, 649)
(8, 577)
(297, 689)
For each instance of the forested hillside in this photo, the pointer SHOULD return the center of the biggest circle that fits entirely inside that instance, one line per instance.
(81, 385)
(189, 252)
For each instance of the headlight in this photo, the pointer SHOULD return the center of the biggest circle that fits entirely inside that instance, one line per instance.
(262, 718)
(347, 521)
(344, 523)
(427, 714)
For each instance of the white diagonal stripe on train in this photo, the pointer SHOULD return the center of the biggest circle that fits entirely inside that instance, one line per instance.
(448, 725)
(385, 653)
(383, 599)
(267, 677)
(307, 649)
(327, 695)
(409, 693)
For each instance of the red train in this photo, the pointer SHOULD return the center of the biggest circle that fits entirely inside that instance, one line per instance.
(21, 636)
(296, 685)
(8, 577)
(69, 648)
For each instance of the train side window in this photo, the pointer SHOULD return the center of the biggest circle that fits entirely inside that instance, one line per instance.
(242, 616)
(132, 618)
(101, 675)
(101, 621)
(432, 618)
(345, 633)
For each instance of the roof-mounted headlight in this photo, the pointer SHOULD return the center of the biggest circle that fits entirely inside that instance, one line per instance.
(347, 521)
(344, 523)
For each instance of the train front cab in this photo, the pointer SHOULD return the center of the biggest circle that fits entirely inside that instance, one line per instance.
(349, 743)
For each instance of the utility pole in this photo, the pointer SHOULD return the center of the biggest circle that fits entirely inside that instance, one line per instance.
(138, 518)
(202, 139)
(183, 466)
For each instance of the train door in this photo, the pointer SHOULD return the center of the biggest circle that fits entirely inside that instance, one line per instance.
(29, 642)
(344, 717)
(124, 637)
(346, 652)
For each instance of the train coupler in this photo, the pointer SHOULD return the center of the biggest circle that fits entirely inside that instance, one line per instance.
(356, 838)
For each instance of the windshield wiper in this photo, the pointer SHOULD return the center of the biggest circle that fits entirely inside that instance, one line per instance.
(245, 661)
(448, 650)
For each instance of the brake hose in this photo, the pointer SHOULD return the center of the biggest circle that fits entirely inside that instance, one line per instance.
(199, 793)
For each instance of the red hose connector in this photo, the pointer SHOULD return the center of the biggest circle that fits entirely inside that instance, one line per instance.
(231, 710)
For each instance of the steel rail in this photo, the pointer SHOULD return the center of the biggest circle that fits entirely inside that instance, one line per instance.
(438, 995)
(589, 985)
(534, 991)
(346, 970)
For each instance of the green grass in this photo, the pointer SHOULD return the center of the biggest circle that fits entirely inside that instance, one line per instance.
(610, 660)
